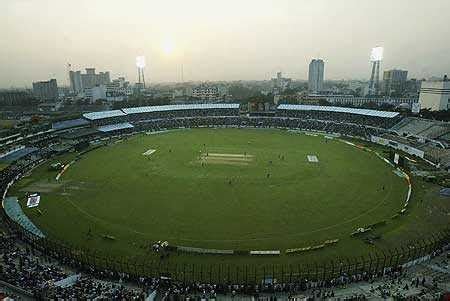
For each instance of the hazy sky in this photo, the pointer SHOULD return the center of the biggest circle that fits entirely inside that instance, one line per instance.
(220, 39)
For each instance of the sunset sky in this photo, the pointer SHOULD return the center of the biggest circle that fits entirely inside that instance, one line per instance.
(220, 40)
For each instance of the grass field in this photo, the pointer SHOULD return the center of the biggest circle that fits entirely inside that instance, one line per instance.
(228, 189)
(7, 124)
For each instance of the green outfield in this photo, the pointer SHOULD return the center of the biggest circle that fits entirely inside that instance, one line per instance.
(239, 189)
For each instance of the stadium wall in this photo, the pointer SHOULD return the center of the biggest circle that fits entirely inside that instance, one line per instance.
(396, 145)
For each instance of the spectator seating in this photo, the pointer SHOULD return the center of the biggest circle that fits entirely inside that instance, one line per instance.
(115, 127)
(67, 124)
(14, 211)
(425, 128)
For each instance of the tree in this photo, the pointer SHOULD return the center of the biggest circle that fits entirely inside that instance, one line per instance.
(239, 92)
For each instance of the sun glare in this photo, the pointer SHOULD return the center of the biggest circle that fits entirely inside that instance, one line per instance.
(168, 46)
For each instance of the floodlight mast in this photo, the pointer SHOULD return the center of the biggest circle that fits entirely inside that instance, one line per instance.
(376, 56)
(143, 78)
(139, 75)
(140, 64)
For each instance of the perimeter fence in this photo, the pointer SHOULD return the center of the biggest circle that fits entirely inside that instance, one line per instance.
(378, 262)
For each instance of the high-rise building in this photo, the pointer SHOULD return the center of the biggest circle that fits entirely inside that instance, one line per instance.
(435, 96)
(90, 79)
(394, 82)
(75, 81)
(95, 93)
(46, 90)
(118, 90)
(315, 76)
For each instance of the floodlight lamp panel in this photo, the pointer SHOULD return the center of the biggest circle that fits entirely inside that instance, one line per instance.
(376, 54)
(140, 61)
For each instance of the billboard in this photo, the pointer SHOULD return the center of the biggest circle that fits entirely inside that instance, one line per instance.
(396, 157)
(403, 147)
(415, 108)
(33, 200)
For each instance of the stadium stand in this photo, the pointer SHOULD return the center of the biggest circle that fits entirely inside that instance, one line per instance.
(372, 118)
(14, 211)
(103, 115)
(438, 155)
(8, 138)
(18, 153)
(67, 124)
(35, 271)
(151, 109)
(414, 126)
(77, 133)
(425, 128)
(25, 137)
(365, 112)
(436, 131)
(115, 127)
(174, 111)
(261, 122)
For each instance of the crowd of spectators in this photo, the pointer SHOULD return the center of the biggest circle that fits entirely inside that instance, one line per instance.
(39, 273)
(373, 121)
(347, 129)
(165, 117)
(32, 271)
(182, 113)
(396, 283)
(140, 114)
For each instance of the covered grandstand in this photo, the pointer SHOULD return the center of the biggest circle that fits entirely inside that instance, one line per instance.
(419, 127)
(67, 124)
(152, 109)
(103, 114)
(373, 118)
(423, 134)
(17, 153)
(115, 127)
(365, 112)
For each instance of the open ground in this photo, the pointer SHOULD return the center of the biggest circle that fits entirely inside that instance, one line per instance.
(257, 191)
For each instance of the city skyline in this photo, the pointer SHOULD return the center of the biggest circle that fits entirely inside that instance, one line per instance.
(220, 41)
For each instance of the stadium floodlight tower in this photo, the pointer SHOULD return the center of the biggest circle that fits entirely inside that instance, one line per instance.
(140, 64)
(376, 56)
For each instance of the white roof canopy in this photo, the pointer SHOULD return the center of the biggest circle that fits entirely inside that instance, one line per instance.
(205, 106)
(103, 114)
(366, 112)
(115, 127)
(150, 109)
